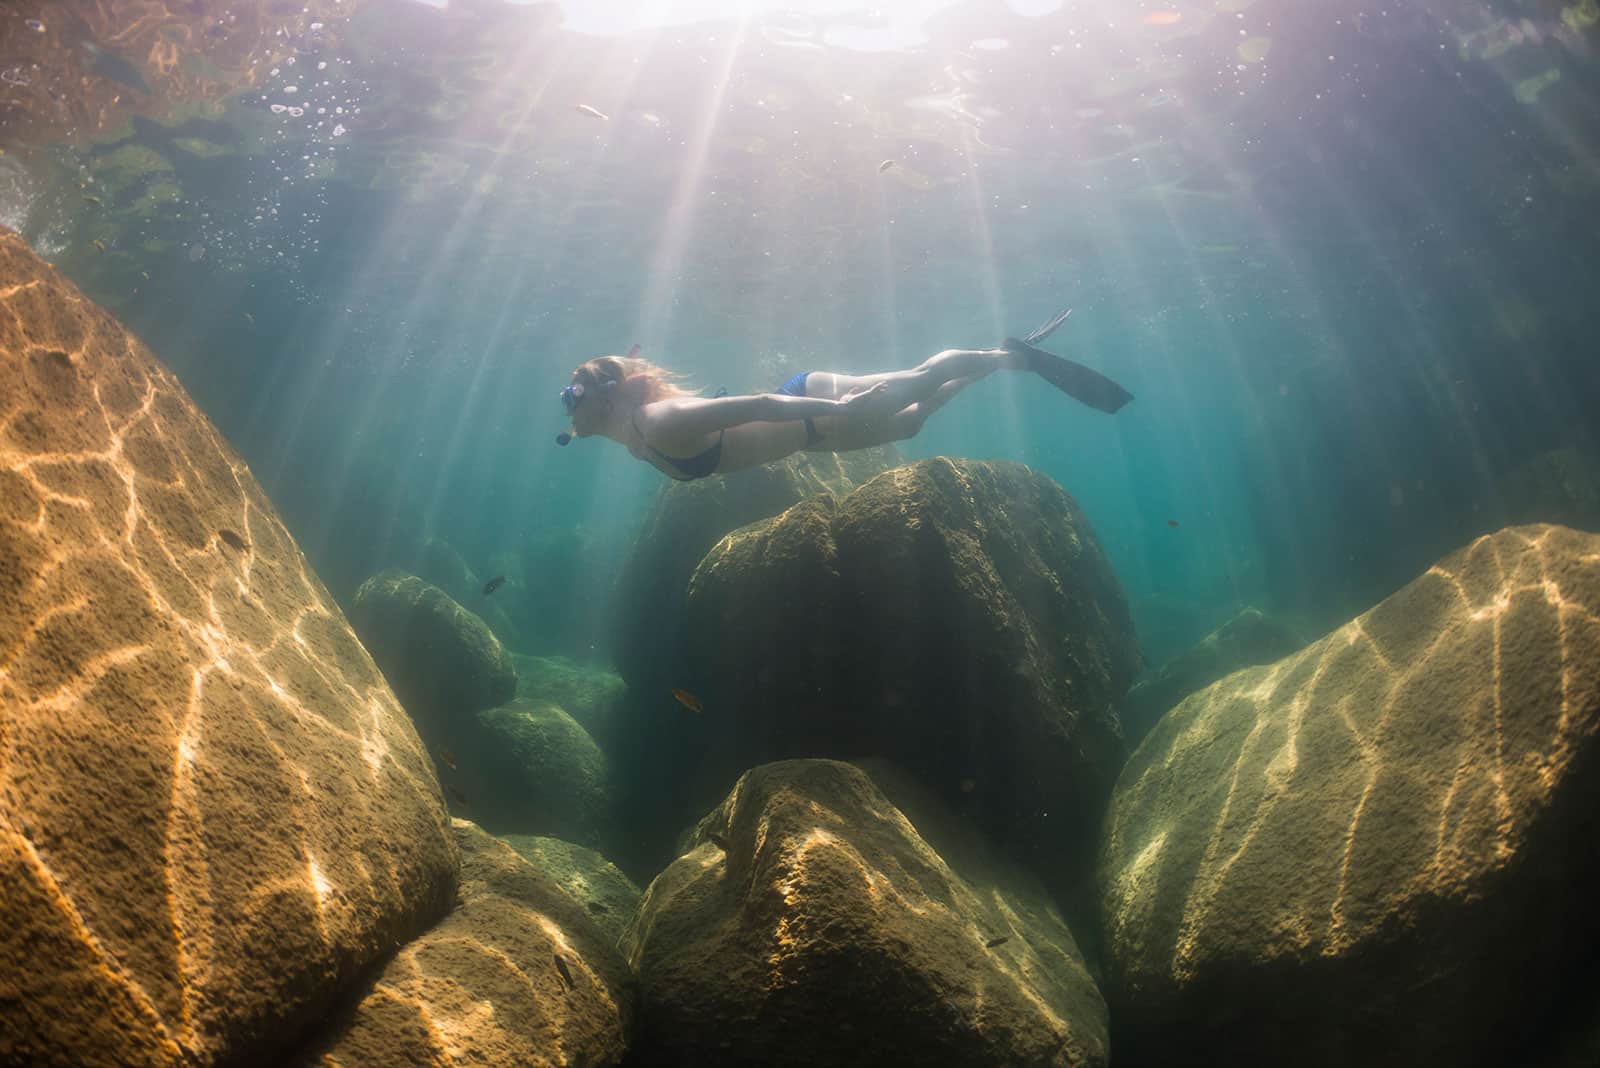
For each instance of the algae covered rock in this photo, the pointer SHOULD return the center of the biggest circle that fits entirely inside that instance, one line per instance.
(1248, 639)
(812, 924)
(609, 896)
(529, 768)
(442, 660)
(214, 813)
(592, 696)
(1379, 850)
(956, 617)
(687, 520)
(519, 974)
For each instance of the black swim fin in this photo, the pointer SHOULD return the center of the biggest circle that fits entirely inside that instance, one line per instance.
(1074, 379)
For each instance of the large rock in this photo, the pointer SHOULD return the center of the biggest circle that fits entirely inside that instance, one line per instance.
(664, 775)
(954, 616)
(610, 897)
(213, 812)
(442, 660)
(590, 695)
(1248, 639)
(812, 924)
(687, 520)
(519, 975)
(1380, 850)
(529, 768)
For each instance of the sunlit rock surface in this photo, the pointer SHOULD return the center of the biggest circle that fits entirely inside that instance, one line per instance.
(824, 929)
(956, 616)
(1379, 850)
(486, 987)
(443, 661)
(610, 897)
(212, 809)
(1248, 639)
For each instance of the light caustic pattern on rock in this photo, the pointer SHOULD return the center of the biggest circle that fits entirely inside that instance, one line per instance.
(517, 974)
(1405, 756)
(210, 803)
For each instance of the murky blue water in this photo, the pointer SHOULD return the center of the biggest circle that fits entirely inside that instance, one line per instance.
(1344, 253)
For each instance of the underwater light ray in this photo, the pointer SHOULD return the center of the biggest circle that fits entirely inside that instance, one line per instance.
(1214, 156)
(661, 289)
(397, 235)
(469, 223)
(368, 286)
(989, 276)
(1420, 340)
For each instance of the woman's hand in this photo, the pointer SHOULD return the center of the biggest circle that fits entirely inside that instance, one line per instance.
(865, 404)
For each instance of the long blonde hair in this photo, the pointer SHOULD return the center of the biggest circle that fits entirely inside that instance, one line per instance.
(649, 382)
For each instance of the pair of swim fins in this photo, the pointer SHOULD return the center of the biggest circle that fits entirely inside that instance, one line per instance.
(1074, 379)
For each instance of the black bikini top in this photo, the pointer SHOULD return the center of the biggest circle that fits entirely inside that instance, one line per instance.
(699, 465)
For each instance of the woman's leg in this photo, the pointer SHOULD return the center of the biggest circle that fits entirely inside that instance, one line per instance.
(843, 435)
(906, 388)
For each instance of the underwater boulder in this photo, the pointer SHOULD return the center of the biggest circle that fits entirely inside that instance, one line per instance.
(442, 660)
(519, 974)
(955, 616)
(592, 696)
(609, 896)
(812, 924)
(1381, 849)
(1248, 639)
(214, 812)
(529, 768)
(688, 518)
(438, 562)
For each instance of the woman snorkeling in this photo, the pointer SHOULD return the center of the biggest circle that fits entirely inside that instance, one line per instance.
(632, 401)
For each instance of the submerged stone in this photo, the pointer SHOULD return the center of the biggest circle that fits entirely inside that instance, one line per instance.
(1379, 850)
(1248, 639)
(955, 616)
(811, 923)
(214, 812)
(443, 661)
(519, 974)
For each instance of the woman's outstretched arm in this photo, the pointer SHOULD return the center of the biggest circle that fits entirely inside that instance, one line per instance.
(702, 415)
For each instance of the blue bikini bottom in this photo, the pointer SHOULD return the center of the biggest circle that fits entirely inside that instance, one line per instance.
(796, 387)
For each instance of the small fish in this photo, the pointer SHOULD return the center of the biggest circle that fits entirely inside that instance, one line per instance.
(596, 112)
(597, 907)
(99, 244)
(1162, 18)
(995, 943)
(885, 165)
(1173, 523)
(249, 318)
(457, 796)
(493, 584)
(145, 275)
(566, 973)
(719, 841)
(446, 757)
(91, 199)
(233, 540)
(968, 785)
(35, 25)
(688, 700)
